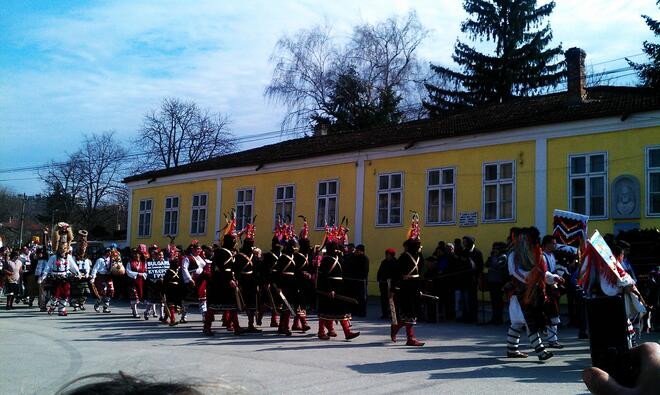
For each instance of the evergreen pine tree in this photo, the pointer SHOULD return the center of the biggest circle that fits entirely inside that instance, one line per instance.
(649, 73)
(522, 62)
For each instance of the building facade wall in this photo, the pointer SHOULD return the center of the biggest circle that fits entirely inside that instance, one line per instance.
(626, 155)
(625, 151)
(306, 183)
(185, 192)
(468, 165)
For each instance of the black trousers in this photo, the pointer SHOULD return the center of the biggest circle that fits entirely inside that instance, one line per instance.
(496, 301)
(384, 299)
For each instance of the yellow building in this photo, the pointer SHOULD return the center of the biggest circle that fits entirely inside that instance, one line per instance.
(478, 173)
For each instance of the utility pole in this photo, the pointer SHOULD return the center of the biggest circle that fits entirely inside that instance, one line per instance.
(20, 237)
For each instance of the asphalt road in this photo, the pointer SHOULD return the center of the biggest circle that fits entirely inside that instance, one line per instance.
(39, 353)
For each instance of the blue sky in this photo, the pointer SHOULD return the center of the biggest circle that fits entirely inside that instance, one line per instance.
(70, 68)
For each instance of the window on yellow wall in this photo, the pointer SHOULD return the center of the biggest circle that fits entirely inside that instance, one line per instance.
(499, 186)
(440, 196)
(244, 207)
(389, 199)
(326, 203)
(144, 218)
(653, 181)
(588, 184)
(198, 214)
(285, 200)
(171, 216)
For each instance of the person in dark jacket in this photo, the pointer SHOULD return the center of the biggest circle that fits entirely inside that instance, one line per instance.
(385, 272)
(497, 276)
(473, 255)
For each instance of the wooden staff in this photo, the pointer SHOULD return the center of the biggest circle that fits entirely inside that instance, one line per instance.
(392, 305)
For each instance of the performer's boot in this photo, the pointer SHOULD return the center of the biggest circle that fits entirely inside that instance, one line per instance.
(134, 309)
(553, 331)
(51, 306)
(97, 305)
(184, 314)
(237, 327)
(61, 308)
(394, 329)
(202, 306)
(512, 341)
(147, 311)
(304, 325)
(226, 321)
(106, 305)
(347, 330)
(330, 325)
(283, 328)
(296, 323)
(163, 316)
(273, 320)
(321, 334)
(10, 298)
(173, 320)
(251, 328)
(209, 317)
(632, 336)
(260, 315)
(410, 333)
(537, 344)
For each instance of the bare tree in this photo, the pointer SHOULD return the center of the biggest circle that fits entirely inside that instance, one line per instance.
(385, 54)
(102, 165)
(64, 183)
(179, 133)
(304, 73)
(310, 64)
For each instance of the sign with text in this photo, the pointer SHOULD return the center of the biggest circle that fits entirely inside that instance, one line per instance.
(157, 269)
(468, 218)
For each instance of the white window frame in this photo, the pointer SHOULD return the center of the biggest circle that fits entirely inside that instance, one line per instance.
(588, 174)
(650, 170)
(326, 197)
(498, 182)
(283, 201)
(389, 192)
(242, 222)
(440, 187)
(142, 213)
(170, 211)
(198, 207)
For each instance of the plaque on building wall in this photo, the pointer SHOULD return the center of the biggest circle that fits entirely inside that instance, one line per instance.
(625, 197)
(468, 218)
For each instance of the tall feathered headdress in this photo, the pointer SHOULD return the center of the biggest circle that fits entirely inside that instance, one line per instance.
(337, 234)
(304, 232)
(230, 226)
(280, 232)
(414, 231)
(249, 230)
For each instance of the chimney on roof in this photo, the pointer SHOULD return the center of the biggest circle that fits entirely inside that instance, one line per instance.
(575, 75)
(321, 129)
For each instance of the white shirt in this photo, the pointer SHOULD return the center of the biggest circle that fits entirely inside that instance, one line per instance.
(84, 266)
(185, 263)
(60, 267)
(102, 266)
(133, 274)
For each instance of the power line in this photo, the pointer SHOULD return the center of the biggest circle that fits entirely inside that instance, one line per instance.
(243, 139)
